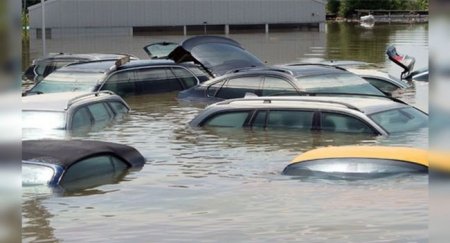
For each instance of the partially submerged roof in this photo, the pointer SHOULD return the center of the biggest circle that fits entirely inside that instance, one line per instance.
(366, 104)
(56, 101)
(106, 65)
(313, 69)
(413, 155)
(66, 152)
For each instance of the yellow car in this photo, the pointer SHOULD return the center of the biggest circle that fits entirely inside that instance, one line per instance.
(358, 162)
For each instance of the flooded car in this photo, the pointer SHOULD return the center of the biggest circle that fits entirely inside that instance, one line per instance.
(42, 67)
(62, 162)
(57, 113)
(358, 162)
(283, 80)
(216, 54)
(369, 115)
(123, 76)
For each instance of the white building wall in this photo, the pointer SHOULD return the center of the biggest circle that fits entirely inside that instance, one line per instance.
(120, 14)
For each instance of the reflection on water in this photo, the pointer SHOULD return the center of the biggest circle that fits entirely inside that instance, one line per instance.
(225, 184)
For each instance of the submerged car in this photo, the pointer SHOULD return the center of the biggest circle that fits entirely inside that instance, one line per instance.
(74, 111)
(358, 162)
(42, 67)
(283, 80)
(122, 76)
(60, 162)
(369, 115)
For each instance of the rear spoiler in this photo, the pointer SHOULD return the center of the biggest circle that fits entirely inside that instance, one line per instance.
(404, 61)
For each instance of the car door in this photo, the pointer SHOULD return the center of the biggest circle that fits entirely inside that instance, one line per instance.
(156, 80)
(239, 86)
(344, 123)
(122, 83)
(284, 119)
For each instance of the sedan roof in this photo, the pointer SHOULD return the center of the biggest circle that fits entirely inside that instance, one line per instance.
(105, 65)
(67, 152)
(304, 70)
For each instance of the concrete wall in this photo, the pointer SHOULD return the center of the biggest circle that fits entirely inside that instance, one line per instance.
(110, 15)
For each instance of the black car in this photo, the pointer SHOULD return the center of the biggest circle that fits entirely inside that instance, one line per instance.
(122, 76)
(282, 80)
(62, 162)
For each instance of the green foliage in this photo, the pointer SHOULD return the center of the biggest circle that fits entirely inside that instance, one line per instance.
(333, 6)
(348, 7)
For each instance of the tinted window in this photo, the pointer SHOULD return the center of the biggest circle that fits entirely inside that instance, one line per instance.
(121, 83)
(231, 119)
(118, 107)
(99, 112)
(212, 89)
(383, 85)
(277, 86)
(336, 83)
(260, 119)
(401, 120)
(290, 119)
(200, 73)
(81, 118)
(421, 77)
(157, 80)
(95, 166)
(236, 88)
(185, 76)
(343, 123)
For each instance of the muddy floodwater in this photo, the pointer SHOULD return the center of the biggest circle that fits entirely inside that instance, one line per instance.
(224, 185)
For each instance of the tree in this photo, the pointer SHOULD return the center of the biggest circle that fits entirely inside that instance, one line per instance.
(333, 6)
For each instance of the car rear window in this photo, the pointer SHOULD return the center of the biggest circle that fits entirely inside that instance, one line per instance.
(336, 83)
(401, 120)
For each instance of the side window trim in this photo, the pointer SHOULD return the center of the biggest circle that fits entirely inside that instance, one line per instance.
(290, 82)
(225, 80)
(211, 116)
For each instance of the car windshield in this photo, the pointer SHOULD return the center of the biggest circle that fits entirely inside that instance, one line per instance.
(221, 58)
(401, 120)
(345, 83)
(34, 174)
(43, 119)
(68, 81)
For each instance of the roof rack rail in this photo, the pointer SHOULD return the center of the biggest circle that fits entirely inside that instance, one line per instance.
(353, 94)
(319, 64)
(269, 100)
(83, 96)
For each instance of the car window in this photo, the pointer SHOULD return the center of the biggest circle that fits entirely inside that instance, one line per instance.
(65, 81)
(260, 120)
(200, 73)
(94, 166)
(118, 107)
(100, 112)
(336, 83)
(157, 80)
(421, 77)
(229, 119)
(401, 120)
(212, 89)
(121, 83)
(382, 85)
(277, 86)
(290, 119)
(185, 76)
(334, 122)
(43, 119)
(237, 87)
(81, 118)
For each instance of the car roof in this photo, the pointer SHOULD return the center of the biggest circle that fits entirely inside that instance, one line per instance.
(67, 152)
(88, 56)
(366, 104)
(415, 155)
(60, 101)
(106, 65)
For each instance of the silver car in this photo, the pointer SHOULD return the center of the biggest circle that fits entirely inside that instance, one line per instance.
(371, 115)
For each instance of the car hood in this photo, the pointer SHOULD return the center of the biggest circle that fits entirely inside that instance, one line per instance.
(218, 55)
